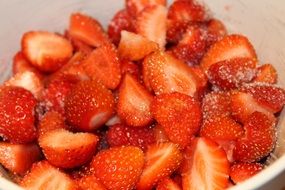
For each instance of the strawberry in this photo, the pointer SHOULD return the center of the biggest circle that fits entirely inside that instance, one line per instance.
(266, 73)
(179, 115)
(88, 105)
(51, 120)
(160, 135)
(86, 29)
(232, 73)
(175, 31)
(134, 7)
(18, 158)
(228, 147)
(79, 46)
(118, 167)
(46, 51)
(216, 31)
(130, 67)
(135, 47)
(21, 64)
(134, 103)
(167, 184)
(122, 20)
(203, 79)
(119, 135)
(259, 138)
(229, 47)
(243, 171)
(160, 161)
(205, 166)
(45, 176)
(61, 147)
(17, 115)
(90, 182)
(113, 121)
(151, 23)
(103, 64)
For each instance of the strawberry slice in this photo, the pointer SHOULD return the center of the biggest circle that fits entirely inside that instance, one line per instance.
(90, 182)
(179, 115)
(205, 167)
(130, 67)
(232, 73)
(134, 7)
(228, 147)
(135, 47)
(88, 105)
(229, 47)
(259, 138)
(216, 31)
(103, 65)
(161, 161)
(17, 115)
(160, 135)
(18, 158)
(151, 23)
(175, 31)
(267, 74)
(243, 171)
(119, 167)
(61, 147)
(45, 176)
(79, 46)
(21, 64)
(113, 121)
(46, 51)
(87, 29)
(167, 184)
(51, 120)
(134, 103)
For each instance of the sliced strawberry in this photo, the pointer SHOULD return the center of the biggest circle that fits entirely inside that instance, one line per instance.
(86, 29)
(134, 7)
(51, 120)
(46, 51)
(18, 158)
(119, 167)
(206, 166)
(175, 31)
(161, 161)
(216, 31)
(266, 73)
(229, 47)
(179, 115)
(90, 182)
(17, 115)
(228, 147)
(113, 121)
(160, 135)
(130, 67)
(243, 171)
(21, 64)
(167, 184)
(259, 139)
(134, 103)
(135, 47)
(151, 23)
(79, 46)
(61, 147)
(45, 176)
(89, 105)
(232, 73)
(103, 65)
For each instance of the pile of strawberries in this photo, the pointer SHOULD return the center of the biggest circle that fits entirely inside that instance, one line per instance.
(164, 99)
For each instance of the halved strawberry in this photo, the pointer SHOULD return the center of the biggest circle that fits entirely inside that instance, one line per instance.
(216, 31)
(175, 31)
(266, 73)
(228, 147)
(62, 148)
(160, 135)
(45, 176)
(90, 182)
(103, 65)
(161, 161)
(119, 167)
(87, 29)
(18, 158)
(135, 47)
(179, 115)
(130, 67)
(46, 51)
(134, 103)
(203, 79)
(229, 47)
(205, 167)
(243, 171)
(17, 115)
(79, 46)
(259, 139)
(51, 120)
(232, 73)
(134, 7)
(151, 23)
(21, 64)
(89, 105)
(113, 121)
(167, 184)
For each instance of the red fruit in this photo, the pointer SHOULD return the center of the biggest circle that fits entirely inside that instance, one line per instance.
(151, 23)
(179, 115)
(51, 120)
(228, 147)
(259, 138)
(89, 105)
(160, 135)
(103, 65)
(205, 167)
(62, 148)
(46, 51)
(86, 29)
(266, 73)
(167, 184)
(118, 167)
(232, 73)
(134, 7)
(232, 46)
(90, 182)
(113, 121)
(243, 171)
(21, 64)
(161, 160)
(203, 80)
(119, 135)
(130, 67)
(45, 176)
(135, 47)
(18, 158)
(134, 103)
(175, 30)
(216, 31)
(17, 115)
